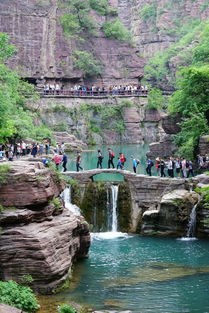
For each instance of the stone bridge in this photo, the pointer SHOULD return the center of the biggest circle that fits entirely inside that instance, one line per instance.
(145, 190)
(165, 202)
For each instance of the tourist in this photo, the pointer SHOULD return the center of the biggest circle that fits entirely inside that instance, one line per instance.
(162, 167)
(170, 167)
(111, 156)
(149, 167)
(57, 160)
(62, 148)
(122, 158)
(178, 167)
(135, 163)
(34, 150)
(184, 168)
(10, 155)
(57, 88)
(157, 166)
(190, 169)
(41, 149)
(119, 164)
(78, 161)
(99, 159)
(23, 147)
(64, 162)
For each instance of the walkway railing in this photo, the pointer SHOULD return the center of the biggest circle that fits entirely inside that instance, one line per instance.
(81, 93)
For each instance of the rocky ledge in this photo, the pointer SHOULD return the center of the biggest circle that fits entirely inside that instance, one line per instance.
(39, 236)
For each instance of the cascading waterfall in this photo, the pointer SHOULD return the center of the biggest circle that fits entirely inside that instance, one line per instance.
(114, 190)
(66, 196)
(112, 233)
(192, 223)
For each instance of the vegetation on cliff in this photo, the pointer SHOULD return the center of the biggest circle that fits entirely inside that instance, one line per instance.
(80, 23)
(15, 119)
(190, 100)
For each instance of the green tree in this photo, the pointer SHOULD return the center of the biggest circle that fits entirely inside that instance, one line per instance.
(15, 118)
(155, 99)
(191, 101)
(86, 63)
(115, 30)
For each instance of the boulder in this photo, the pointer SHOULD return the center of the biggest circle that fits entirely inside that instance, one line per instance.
(164, 148)
(39, 237)
(172, 215)
(29, 184)
(4, 308)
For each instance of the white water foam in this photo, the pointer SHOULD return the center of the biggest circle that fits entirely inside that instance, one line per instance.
(109, 235)
(187, 239)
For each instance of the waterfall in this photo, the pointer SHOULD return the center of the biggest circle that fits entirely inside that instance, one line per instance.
(112, 199)
(114, 190)
(66, 196)
(192, 222)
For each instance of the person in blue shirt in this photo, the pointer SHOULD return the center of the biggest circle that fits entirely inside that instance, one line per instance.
(64, 162)
(135, 163)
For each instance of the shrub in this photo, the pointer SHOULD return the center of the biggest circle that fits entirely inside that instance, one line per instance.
(86, 63)
(4, 172)
(19, 296)
(115, 30)
(155, 99)
(66, 309)
(149, 12)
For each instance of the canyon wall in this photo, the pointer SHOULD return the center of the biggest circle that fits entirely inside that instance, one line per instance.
(39, 237)
(105, 120)
(43, 51)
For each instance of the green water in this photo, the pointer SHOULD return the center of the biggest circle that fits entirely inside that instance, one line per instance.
(144, 275)
(89, 159)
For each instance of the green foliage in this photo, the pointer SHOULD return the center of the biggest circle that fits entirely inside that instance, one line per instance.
(4, 173)
(156, 99)
(149, 12)
(126, 103)
(27, 279)
(18, 296)
(70, 24)
(66, 309)
(1, 208)
(56, 204)
(102, 7)
(86, 63)
(115, 30)
(6, 50)
(16, 120)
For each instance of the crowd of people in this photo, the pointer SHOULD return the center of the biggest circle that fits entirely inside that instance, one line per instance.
(17, 150)
(167, 167)
(81, 90)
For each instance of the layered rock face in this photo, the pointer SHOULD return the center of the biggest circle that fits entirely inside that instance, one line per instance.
(139, 123)
(39, 237)
(44, 52)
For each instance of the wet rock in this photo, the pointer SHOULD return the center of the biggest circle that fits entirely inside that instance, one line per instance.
(172, 215)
